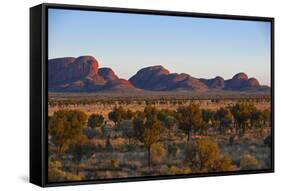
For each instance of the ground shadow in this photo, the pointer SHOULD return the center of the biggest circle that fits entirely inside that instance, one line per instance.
(24, 178)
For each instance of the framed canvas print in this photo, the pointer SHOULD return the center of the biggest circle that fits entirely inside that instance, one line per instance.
(127, 95)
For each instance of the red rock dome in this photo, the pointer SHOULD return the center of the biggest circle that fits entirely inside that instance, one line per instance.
(240, 76)
(252, 82)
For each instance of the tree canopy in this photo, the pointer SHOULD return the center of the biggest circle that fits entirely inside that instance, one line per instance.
(95, 120)
(65, 126)
(189, 118)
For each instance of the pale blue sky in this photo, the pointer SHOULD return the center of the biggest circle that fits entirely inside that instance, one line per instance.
(128, 42)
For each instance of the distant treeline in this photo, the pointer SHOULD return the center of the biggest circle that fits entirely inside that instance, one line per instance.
(174, 101)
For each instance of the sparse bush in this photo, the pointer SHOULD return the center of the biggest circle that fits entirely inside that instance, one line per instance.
(116, 115)
(248, 162)
(158, 152)
(204, 156)
(119, 113)
(224, 164)
(127, 129)
(55, 174)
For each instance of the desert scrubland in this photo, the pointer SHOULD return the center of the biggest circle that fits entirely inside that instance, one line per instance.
(98, 136)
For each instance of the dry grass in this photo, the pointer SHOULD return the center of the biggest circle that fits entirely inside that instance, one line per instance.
(105, 109)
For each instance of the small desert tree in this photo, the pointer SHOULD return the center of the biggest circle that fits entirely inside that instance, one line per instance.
(151, 135)
(255, 117)
(241, 114)
(65, 127)
(208, 119)
(147, 130)
(127, 129)
(189, 118)
(95, 120)
(116, 115)
(79, 149)
(224, 118)
(138, 123)
(169, 122)
(119, 113)
(265, 117)
(167, 119)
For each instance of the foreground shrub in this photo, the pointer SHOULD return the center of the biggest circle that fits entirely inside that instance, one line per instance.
(65, 127)
(55, 174)
(248, 162)
(224, 164)
(158, 152)
(204, 156)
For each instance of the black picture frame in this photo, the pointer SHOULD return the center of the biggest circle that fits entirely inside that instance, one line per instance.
(39, 91)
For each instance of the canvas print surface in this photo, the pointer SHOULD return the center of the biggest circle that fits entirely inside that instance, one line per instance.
(134, 95)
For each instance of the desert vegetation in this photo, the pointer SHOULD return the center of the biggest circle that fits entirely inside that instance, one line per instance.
(132, 138)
